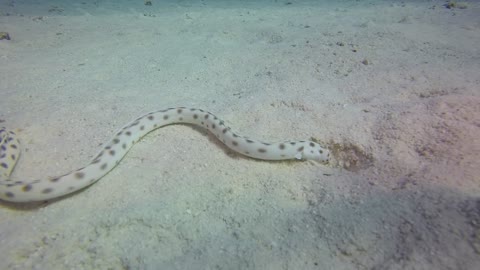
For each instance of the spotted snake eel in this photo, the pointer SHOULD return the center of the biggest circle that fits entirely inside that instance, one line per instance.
(115, 149)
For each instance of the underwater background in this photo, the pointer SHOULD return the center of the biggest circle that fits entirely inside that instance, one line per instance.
(392, 88)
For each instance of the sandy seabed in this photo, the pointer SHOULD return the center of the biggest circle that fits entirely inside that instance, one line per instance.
(392, 88)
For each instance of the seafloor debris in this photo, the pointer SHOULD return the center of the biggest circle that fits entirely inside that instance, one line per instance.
(455, 4)
(4, 35)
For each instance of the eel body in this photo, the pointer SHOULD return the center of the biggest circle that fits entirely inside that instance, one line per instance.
(117, 147)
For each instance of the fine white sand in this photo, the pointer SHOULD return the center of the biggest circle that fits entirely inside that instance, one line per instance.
(391, 87)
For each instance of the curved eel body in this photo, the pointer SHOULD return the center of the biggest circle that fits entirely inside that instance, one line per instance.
(117, 147)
